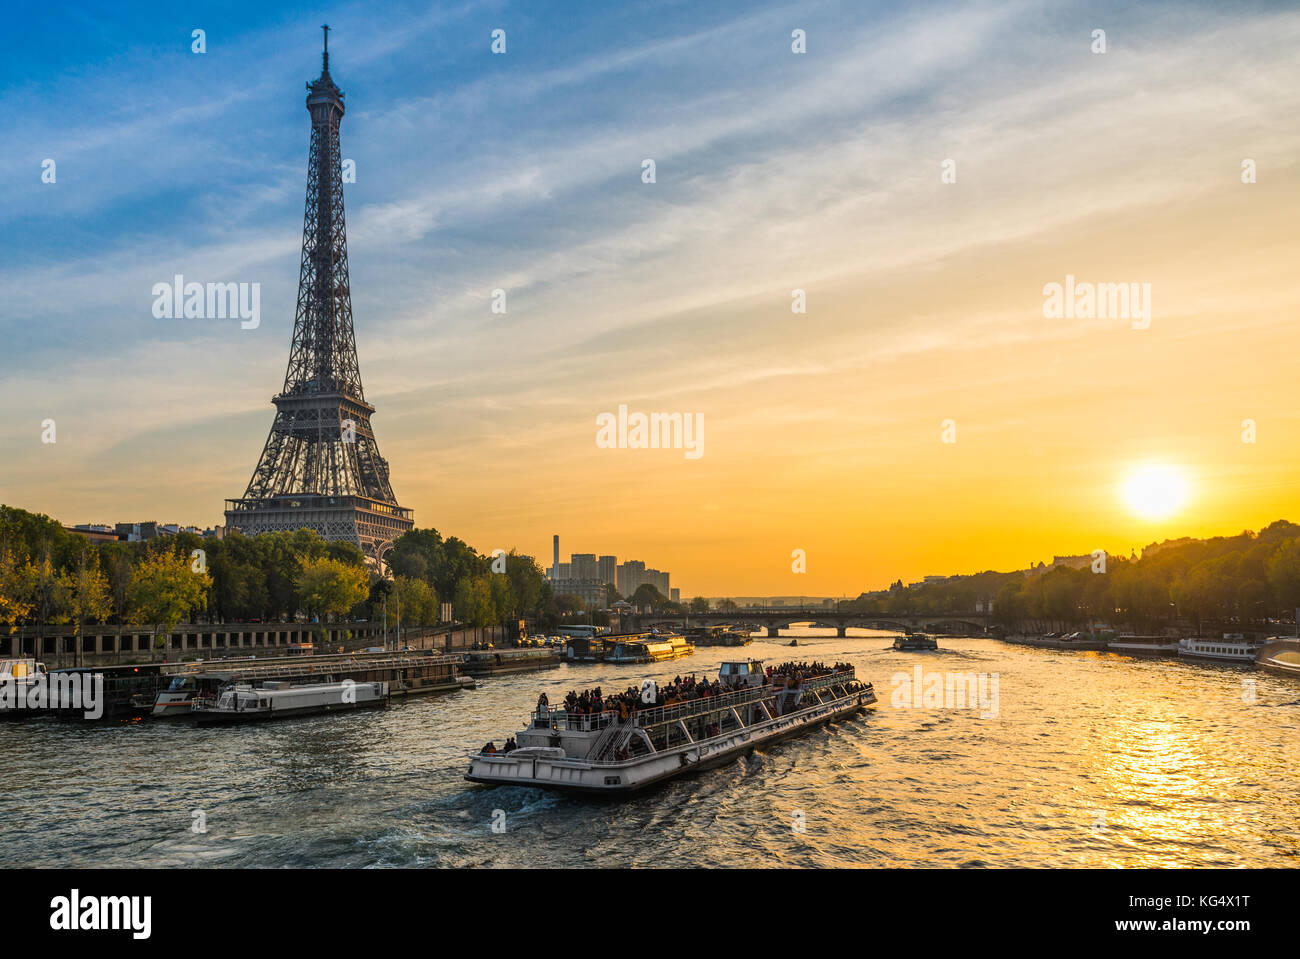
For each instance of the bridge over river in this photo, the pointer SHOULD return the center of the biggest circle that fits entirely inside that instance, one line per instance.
(775, 618)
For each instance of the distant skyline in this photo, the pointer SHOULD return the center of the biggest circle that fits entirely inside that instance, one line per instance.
(822, 172)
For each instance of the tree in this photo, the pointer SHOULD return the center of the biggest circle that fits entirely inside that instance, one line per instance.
(164, 589)
(566, 604)
(17, 588)
(241, 589)
(727, 606)
(472, 602)
(1284, 575)
(648, 595)
(330, 587)
(419, 603)
(699, 605)
(86, 594)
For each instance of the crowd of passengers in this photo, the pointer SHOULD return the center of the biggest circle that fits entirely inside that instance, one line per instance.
(680, 690)
(683, 690)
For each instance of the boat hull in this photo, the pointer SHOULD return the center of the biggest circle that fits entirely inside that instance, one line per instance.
(581, 777)
(230, 718)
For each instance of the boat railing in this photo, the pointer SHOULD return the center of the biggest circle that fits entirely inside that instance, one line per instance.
(561, 719)
(306, 668)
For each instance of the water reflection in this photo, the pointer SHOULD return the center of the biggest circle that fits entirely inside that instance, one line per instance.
(1093, 760)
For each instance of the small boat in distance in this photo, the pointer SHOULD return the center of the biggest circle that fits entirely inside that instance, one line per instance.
(240, 703)
(915, 641)
(1233, 648)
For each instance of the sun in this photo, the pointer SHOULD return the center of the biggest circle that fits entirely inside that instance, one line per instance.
(1156, 491)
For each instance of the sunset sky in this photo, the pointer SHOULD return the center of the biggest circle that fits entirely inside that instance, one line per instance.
(775, 171)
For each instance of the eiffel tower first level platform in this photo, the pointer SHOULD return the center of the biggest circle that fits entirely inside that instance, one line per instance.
(321, 468)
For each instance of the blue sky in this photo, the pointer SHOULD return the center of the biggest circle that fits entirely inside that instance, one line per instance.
(522, 172)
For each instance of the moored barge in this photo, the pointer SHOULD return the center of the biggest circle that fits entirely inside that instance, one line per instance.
(239, 703)
(407, 674)
(494, 662)
(614, 753)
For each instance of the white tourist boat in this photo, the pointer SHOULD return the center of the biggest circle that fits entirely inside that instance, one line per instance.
(602, 754)
(241, 703)
(1233, 648)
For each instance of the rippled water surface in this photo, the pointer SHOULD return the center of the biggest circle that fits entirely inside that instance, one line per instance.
(1093, 759)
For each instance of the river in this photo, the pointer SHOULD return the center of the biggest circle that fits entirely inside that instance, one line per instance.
(1092, 759)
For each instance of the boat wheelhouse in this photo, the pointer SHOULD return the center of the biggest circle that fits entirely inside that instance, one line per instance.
(20, 674)
(614, 753)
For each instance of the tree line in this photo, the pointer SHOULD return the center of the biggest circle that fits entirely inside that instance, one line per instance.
(1250, 578)
(49, 575)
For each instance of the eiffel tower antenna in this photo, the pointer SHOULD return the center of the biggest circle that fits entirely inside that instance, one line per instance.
(321, 468)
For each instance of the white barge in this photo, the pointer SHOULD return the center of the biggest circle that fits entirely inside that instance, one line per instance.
(1233, 648)
(607, 753)
(241, 703)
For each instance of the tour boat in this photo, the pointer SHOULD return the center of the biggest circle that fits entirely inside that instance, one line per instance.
(1233, 648)
(239, 703)
(915, 641)
(603, 754)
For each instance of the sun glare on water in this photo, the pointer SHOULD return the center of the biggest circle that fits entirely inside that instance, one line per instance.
(1155, 492)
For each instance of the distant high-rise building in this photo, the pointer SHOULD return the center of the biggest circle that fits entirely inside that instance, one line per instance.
(676, 595)
(607, 569)
(583, 565)
(631, 575)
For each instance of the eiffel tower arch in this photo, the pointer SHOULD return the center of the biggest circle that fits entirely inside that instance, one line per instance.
(321, 468)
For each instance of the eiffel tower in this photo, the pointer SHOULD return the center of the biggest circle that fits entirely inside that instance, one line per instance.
(321, 467)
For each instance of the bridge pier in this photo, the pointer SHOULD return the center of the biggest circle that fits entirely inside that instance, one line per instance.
(841, 631)
(773, 632)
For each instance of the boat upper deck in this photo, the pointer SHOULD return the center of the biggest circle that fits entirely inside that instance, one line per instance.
(671, 712)
(305, 667)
